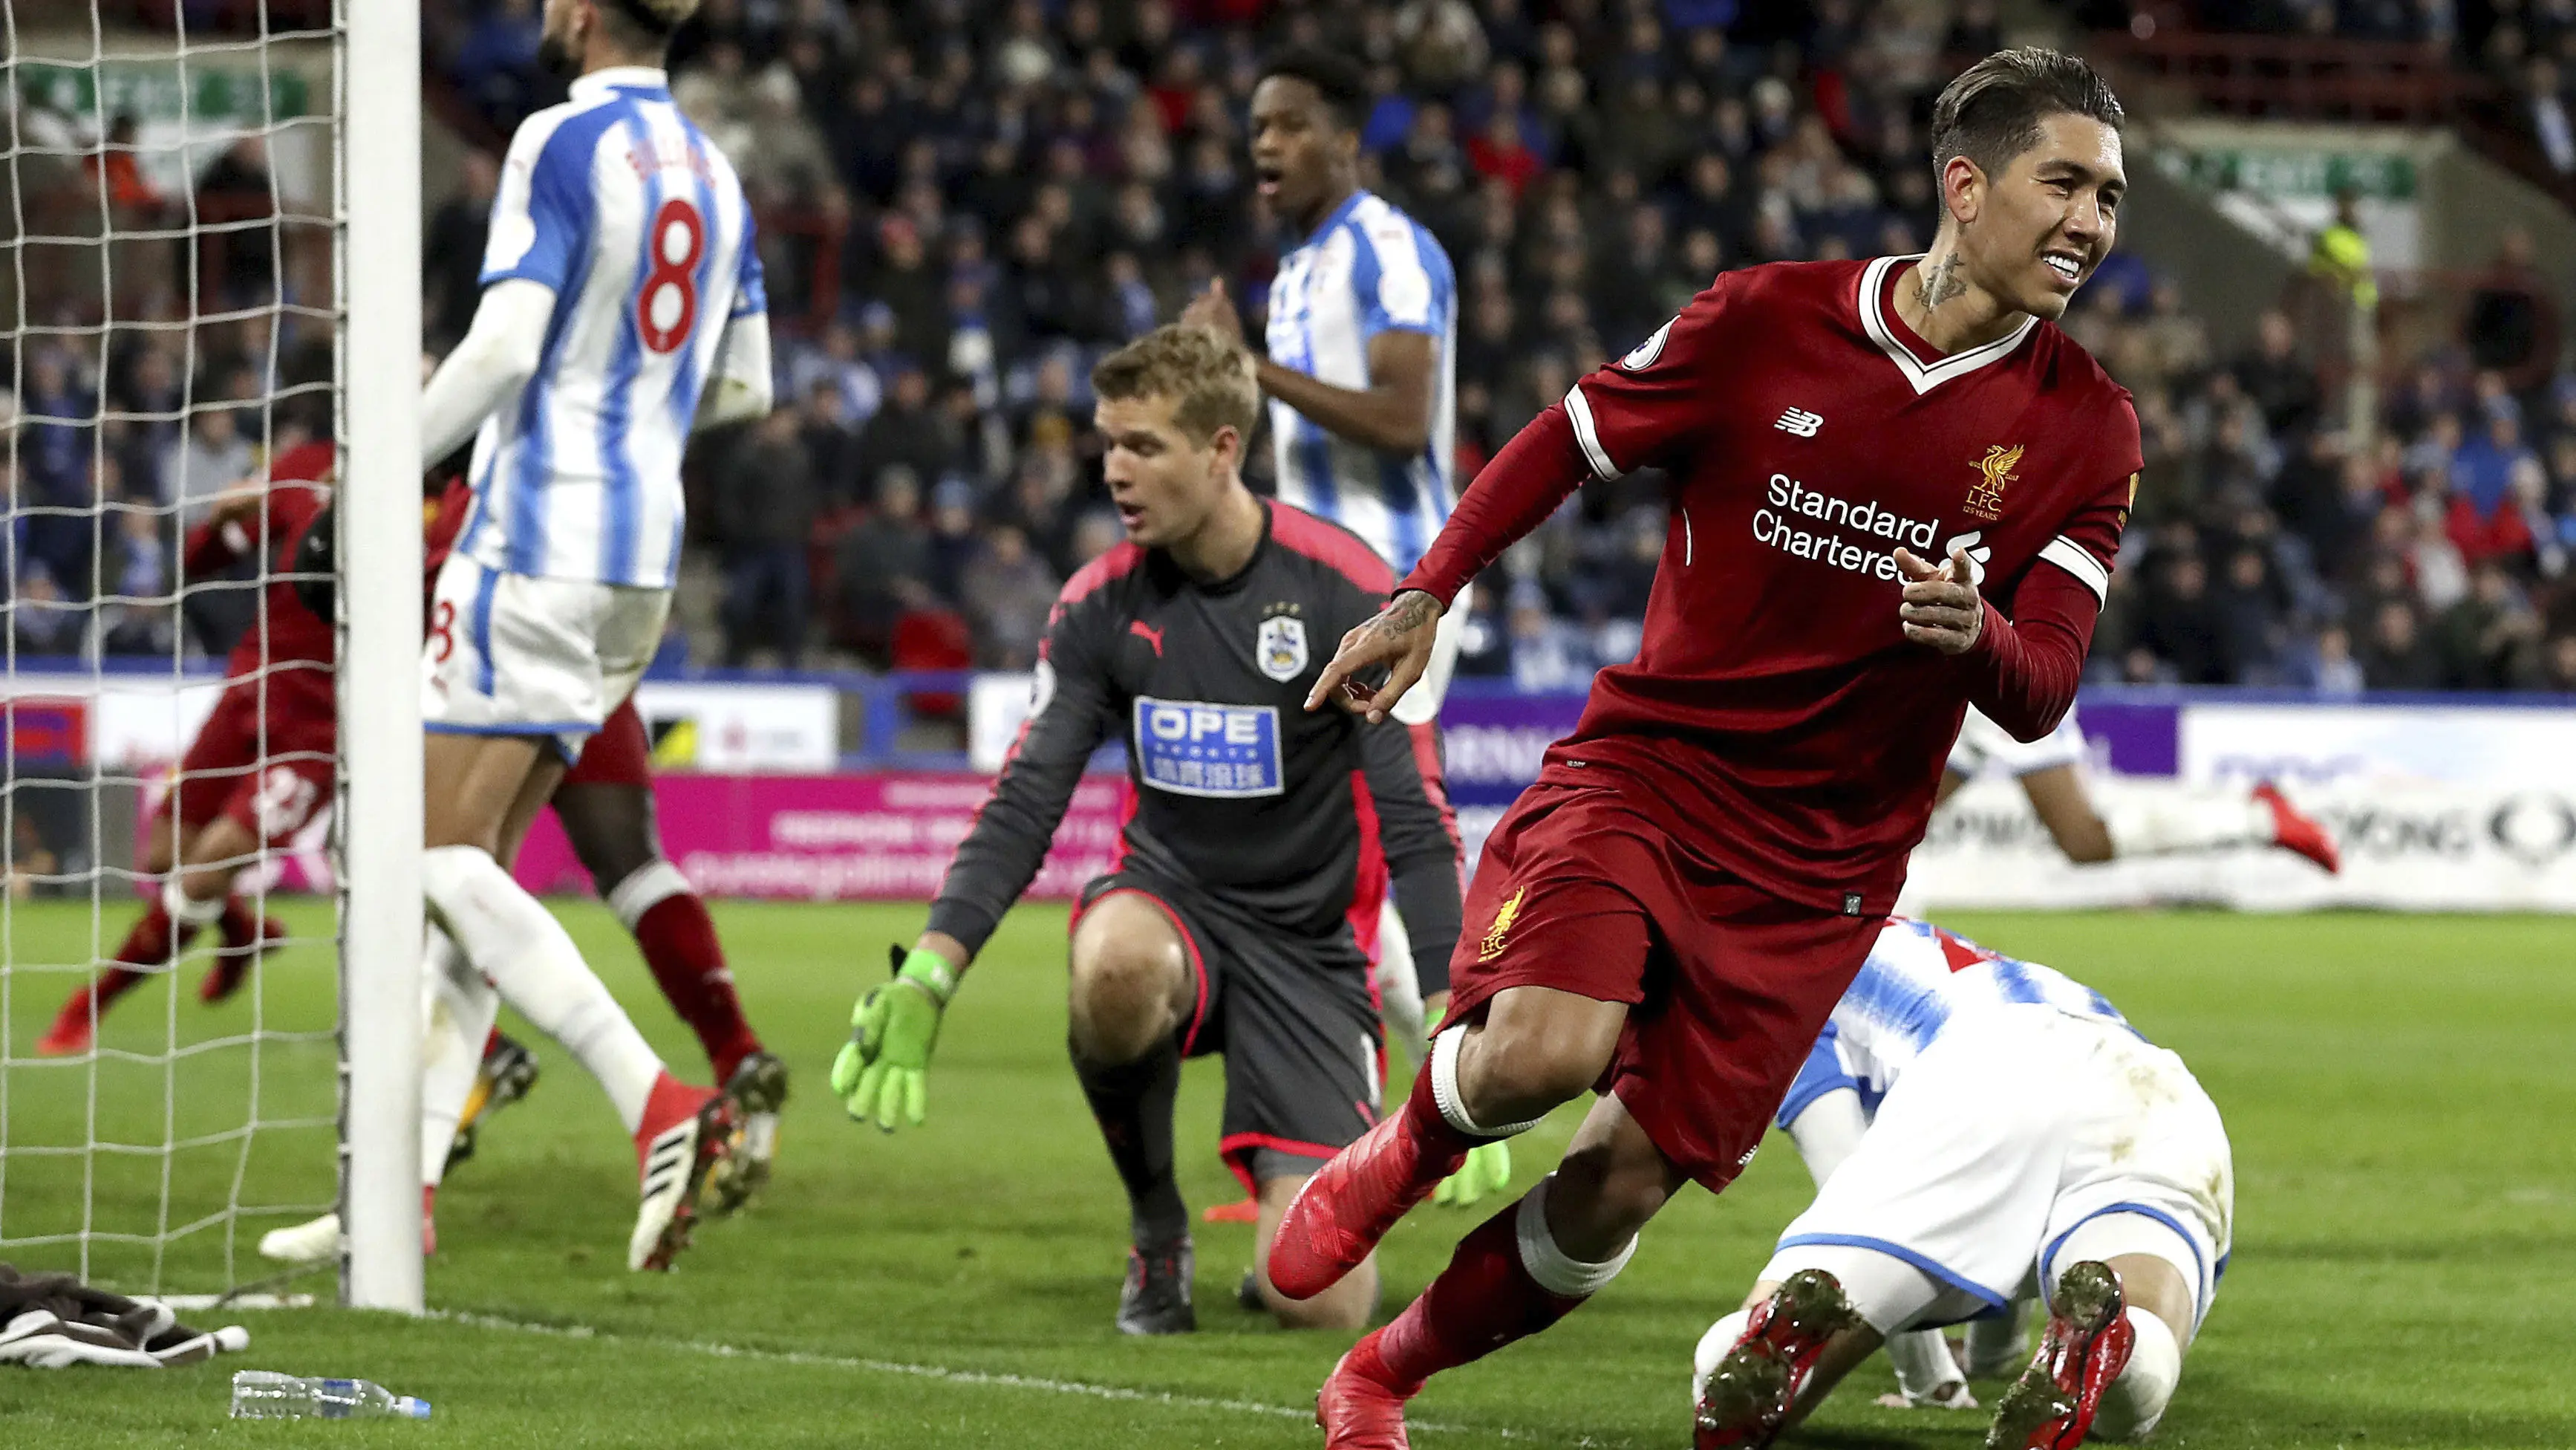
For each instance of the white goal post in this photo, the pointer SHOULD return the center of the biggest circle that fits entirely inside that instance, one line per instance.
(210, 284)
(380, 740)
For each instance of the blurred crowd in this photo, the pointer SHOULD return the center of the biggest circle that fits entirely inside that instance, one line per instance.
(2527, 48)
(964, 202)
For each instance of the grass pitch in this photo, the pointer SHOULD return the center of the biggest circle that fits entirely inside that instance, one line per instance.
(2395, 1087)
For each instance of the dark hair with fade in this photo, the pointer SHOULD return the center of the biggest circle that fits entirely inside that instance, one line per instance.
(643, 24)
(1340, 80)
(1992, 111)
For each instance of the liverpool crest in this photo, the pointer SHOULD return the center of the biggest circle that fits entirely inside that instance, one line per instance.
(1995, 473)
(1281, 647)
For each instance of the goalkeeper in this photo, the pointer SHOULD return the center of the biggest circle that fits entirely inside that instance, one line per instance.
(1254, 859)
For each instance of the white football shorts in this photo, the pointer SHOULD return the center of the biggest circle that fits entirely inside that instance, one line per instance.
(1421, 704)
(2026, 1140)
(520, 654)
(1983, 748)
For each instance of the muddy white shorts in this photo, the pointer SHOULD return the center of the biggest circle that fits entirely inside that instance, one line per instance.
(1984, 749)
(519, 654)
(2022, 1141)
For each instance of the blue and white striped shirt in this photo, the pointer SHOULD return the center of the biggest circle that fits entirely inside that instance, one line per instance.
(1917, 981)
(614, 200)
(1368, 269)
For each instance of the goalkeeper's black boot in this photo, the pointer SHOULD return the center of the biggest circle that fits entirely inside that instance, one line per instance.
(1156, 1296)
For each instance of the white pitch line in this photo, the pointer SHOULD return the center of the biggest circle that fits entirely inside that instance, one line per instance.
(972, 1377)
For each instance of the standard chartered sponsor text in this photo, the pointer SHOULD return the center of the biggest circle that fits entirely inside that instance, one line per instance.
(1791, 500)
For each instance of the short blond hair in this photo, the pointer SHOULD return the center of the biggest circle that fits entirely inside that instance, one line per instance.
(1209, 379)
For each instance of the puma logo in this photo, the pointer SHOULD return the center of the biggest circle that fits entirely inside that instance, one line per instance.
(1148, 633)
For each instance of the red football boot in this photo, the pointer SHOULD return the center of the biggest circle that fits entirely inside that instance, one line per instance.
(2052, 1405)
(688, 1133)
(1245, 1211)
(2295, 830)
(1361, 1407)
(1750, 1394)
(74, 1029)
(1342, 1212)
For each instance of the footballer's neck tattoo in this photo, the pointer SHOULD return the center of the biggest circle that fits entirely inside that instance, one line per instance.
(1937, 280)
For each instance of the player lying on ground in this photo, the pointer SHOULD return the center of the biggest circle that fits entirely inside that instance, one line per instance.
(258, 769)
(1671, 911)
(1982, 1131)
(1362, 382)
(622, 309)
(2050, 771)
(1250, 871)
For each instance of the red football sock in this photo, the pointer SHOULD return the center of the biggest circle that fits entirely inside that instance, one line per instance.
(1484, 1300)
(1440, 1139)
(150, 944)
(239, 925)
(680, 945)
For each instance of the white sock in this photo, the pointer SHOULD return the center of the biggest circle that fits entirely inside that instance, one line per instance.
(650, 885)
(458, 1007)
(1555, 1270)
(1923, 1363)
(2137, 1399)
(1399, 992)
(1444, 1088)
(512, 938)
(186, 909)
(1712, 1350)
(2165, 824)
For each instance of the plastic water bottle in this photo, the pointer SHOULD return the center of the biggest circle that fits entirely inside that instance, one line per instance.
(260, 1394)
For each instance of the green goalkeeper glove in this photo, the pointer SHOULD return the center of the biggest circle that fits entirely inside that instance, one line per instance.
(880, 1070)
(1488, 1169)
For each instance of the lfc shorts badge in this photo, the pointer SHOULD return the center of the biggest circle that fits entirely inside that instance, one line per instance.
(1994, 475)
(1281, 647)
(1501, 930)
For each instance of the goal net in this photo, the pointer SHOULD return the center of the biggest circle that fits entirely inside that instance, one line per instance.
(176, 762)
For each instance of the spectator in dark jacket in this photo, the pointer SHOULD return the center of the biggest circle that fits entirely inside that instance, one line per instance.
(2279, 381)
(764, 510)
(2397, 656)
(906, 431)
(1007, 594)
(882, 568)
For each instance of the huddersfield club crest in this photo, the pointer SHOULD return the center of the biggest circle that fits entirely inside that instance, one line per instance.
(1281, 647)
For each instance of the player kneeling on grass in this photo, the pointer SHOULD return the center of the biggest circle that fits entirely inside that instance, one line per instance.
(1252, 864)
(2025, 1141)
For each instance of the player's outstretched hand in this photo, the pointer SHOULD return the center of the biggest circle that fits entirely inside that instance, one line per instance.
(1214, 311)
(881, 1070)
(1400, 638)
(1488, 1169)
(1942, 608)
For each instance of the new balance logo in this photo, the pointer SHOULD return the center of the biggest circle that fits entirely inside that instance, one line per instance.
(1800, 422)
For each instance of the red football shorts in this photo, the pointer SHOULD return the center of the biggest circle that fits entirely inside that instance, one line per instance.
(620, 754)
(1727, 984)
(269, 774)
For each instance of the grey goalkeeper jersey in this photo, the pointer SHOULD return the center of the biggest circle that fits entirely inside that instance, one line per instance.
(1238, 791)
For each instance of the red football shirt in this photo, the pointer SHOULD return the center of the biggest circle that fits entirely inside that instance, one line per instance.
(1776, 718)
(286, 632)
